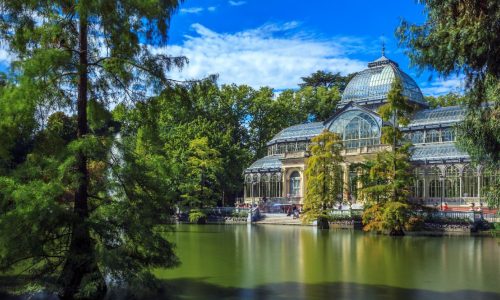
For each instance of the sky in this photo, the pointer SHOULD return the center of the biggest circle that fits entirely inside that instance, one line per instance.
(276, 42)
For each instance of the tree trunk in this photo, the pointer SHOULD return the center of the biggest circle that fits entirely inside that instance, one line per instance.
(80, 269)
(323, 223)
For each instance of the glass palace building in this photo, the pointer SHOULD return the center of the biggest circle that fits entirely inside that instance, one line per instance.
(441, 170)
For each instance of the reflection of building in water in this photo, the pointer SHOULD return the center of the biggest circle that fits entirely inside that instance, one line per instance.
(441, 170)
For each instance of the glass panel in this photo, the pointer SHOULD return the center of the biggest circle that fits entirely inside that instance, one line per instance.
(295, 184)
(435, 187)
(448, 134)
(470, 182)
(417, 137)
(357, 128)
(432, 136)
(452, 183)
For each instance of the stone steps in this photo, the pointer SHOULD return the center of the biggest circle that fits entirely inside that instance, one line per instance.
(279, 220)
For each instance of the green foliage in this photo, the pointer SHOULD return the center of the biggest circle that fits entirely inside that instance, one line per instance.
(389, 179)
(450, 99)
(197, 216)
(462, 37)
(324, 176)
(326, 80)
(202, 166)
(77, 203)
(492, 194)
(17, 125)
(237, 121)
(390, 217)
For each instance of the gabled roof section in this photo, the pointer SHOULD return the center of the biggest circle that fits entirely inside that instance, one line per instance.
(349, 106)
(298, 132)
(438, 153)
(438, 116)
(267, 163)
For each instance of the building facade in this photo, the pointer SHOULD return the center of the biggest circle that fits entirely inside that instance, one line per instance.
(442, 172)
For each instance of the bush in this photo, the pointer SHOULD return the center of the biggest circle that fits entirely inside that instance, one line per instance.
(415, 223)
(240, 214)
(197, 216)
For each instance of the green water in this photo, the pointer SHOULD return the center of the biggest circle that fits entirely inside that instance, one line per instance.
(294, 262)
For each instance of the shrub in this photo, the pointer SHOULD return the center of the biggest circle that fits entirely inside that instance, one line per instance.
(197, 216)
(415, 223)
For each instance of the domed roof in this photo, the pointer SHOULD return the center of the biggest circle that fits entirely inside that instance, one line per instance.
(372, 85)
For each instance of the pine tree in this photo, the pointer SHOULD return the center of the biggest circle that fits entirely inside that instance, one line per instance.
(324, 177)
(69, 53)
(390, 176)
(461, 37)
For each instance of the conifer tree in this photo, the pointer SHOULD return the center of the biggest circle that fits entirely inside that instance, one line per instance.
(81, 201)
(390, 173)
(324, 177)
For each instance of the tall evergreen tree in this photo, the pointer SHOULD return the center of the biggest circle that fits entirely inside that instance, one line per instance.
(324, 177)
(461, 36)
(67, 53)
(390, 173)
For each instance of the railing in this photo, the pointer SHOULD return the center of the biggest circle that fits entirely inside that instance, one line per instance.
(219, 211)
(456, 215)
(298, 154)
(272, 200)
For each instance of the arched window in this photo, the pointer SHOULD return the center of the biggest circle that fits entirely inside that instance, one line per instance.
(435, 186)
(448, 134)
(357, 128)
(470, 182)
(417, 137)
(295, 184)
(418, 184)
(273, 186)
(432, 136)
(452, 183)
(255, 184)
(264, 185)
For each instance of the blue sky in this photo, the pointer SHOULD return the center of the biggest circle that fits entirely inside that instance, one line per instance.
(275, 42)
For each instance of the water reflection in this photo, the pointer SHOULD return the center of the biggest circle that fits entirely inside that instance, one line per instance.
(303, 263)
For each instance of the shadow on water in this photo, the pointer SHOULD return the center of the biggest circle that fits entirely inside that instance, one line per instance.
(178, 289)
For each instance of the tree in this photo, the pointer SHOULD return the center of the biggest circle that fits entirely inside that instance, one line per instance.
(462, 37)
(326, 80)
(390, 176)
(324, 177)
(450, 99)
(203, 165)
(69, 52)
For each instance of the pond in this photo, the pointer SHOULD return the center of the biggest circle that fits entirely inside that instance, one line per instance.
(301, 262)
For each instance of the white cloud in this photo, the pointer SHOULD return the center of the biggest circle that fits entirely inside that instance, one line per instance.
(271, 55)
(6, 57)
(237, 3)
(211, 8)
(442, 86)
(191, 10)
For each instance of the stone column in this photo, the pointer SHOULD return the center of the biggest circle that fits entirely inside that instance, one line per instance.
(479, 181)
(345, 191)
(425, 193)
(461, 183)
(359, 186)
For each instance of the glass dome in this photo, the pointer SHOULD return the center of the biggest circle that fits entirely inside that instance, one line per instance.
(373, 84)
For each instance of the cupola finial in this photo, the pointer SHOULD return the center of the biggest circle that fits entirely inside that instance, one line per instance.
(383, 48)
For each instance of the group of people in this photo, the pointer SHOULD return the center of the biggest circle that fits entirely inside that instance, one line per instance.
(294, 211)
(473, 207)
